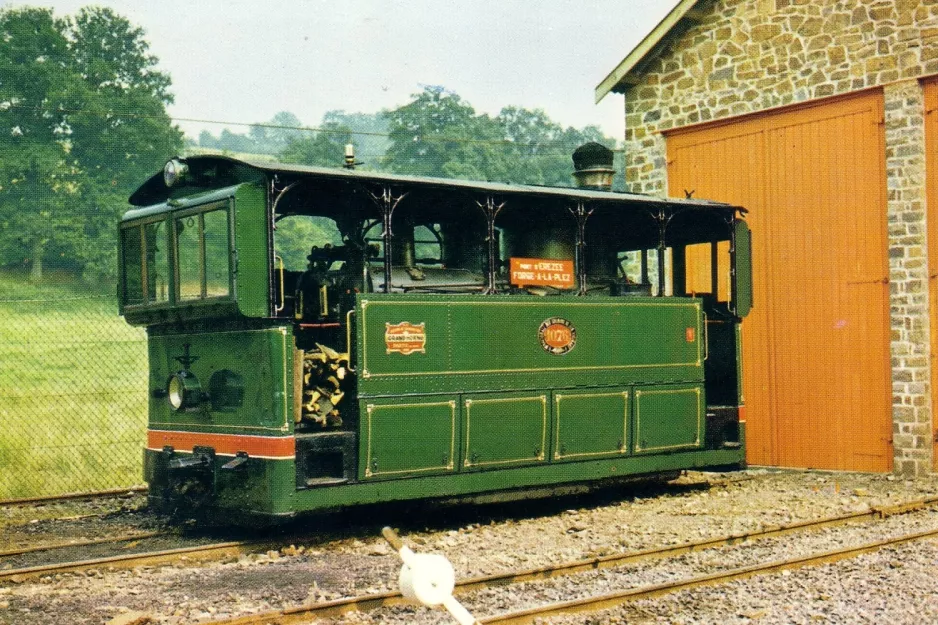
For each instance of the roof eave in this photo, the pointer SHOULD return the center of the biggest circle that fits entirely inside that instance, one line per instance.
(622, 76)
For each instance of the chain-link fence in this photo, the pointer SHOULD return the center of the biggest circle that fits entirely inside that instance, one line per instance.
(73, 381)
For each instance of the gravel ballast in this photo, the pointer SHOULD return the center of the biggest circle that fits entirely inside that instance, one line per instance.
(893, 585)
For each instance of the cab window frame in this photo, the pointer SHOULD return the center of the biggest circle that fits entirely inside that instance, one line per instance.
(199, 213)
(143, 298)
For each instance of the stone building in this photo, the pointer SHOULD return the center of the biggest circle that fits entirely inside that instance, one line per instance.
(821, 117)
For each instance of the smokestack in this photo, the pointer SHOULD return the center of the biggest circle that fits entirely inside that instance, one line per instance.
(592, 164)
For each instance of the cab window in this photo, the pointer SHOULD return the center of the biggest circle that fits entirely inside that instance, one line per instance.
(202, 255)
(145, 264)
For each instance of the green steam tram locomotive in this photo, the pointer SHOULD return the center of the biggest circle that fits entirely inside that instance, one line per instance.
(321, 338)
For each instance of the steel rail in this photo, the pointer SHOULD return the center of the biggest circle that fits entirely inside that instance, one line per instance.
(365, 603)
(128, 561)
(615, 599)
(82, 543)
(117, 492)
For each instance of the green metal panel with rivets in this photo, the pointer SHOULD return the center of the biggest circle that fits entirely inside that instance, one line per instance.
(477, 375)
(668, 418)
(594, 424)
(493, 343)
(408, 438)
(505, 429)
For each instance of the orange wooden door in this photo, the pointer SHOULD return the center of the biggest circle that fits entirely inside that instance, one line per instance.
(816, 347)
(931, 200)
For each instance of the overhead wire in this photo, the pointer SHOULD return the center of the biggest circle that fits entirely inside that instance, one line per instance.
(313, 129)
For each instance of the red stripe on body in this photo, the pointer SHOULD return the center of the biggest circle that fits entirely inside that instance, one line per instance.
(224, 444)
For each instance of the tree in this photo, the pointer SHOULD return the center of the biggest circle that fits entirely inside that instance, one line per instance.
(87, 123)
(325, 148)
(283, 130)
(122, 130)
(34, 175)
(120, 133)
(207, 140)
(235, 142)
(540, 148)
(439, 134)
(369, 134)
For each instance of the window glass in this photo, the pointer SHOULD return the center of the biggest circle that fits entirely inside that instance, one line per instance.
(216, 253)
(133, 266)
(189, 257)
(157, 263)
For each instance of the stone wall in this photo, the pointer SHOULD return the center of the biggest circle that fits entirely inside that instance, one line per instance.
(746, 56)
(908, 276)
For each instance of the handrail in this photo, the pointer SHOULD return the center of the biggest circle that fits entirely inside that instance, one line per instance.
(283, 296)
(348, 337)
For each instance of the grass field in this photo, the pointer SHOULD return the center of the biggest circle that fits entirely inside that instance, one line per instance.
(73, 381)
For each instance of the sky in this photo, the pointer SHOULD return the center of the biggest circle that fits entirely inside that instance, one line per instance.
(242, 61)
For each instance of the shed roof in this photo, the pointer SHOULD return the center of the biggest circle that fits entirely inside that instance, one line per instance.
(624, 75)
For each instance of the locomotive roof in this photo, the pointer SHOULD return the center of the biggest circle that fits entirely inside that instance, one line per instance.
(154, 191)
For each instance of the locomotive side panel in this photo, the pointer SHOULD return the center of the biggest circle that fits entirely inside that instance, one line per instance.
(469, 343)
(525, 381)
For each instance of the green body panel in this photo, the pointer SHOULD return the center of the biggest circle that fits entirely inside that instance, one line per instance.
(408, 437)
(544, 474)
(505, 429)
(742, 269)
(492, 343)
(668, 418)
(260, 486)
(592, 424)
(573, 405)
(251, 260)
(261, 358)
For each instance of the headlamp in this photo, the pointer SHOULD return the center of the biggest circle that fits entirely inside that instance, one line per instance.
(174, 172)
(183, 390)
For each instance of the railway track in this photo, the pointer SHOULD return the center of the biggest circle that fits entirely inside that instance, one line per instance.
(80, 543)
(53, 499)
(125, 560)
(378, 601)
(37, 524)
